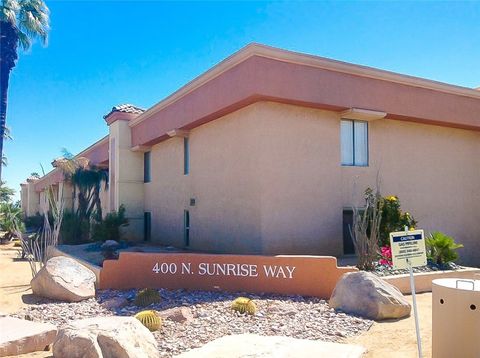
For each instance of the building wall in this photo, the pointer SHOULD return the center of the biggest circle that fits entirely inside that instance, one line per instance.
(434, 170)
(267, 179)
(259, 180)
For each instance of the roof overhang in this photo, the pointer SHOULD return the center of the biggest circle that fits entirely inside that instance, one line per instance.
(261, 73)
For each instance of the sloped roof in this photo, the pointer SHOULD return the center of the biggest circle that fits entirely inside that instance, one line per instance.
(263, 73)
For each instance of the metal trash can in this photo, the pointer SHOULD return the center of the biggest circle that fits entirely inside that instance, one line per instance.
(455, 318)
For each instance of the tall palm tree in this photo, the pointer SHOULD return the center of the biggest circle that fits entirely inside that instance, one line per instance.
(21, 21)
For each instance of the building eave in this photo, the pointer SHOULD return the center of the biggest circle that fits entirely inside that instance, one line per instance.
(260, 50)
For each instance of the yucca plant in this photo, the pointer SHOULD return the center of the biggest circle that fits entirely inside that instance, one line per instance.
(441, 248)
(149, 319)
(244, 305)
(146, 297)
(365, 230)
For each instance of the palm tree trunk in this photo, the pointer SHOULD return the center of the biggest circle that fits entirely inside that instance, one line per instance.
(8, 50)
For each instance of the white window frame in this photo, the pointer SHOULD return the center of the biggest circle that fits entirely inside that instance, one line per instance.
(354, 162)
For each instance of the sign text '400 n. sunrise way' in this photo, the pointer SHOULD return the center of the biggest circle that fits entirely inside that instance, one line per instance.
(225, 269)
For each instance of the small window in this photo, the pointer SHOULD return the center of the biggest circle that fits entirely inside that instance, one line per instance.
(186, 227)
(354, 142)
(186, 156)
(146, 167)
(147, 226)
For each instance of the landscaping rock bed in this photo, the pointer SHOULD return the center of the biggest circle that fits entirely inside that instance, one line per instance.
(291, 316)
(383, 270)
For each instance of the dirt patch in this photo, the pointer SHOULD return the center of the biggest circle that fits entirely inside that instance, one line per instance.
(397, 338)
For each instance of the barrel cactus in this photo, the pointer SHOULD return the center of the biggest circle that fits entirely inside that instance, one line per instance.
(146, 297)
(244, 305)
(149, 319)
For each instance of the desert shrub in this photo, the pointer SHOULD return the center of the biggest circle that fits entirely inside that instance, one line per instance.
(244, 305)
(109, 227)
(11, 220)
(149, 319)
(34, 222)
(393, 219)
(365, 229)
(441, 249)
(146, 297)
(74, 229)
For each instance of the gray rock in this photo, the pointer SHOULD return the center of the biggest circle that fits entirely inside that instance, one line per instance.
(110, 244)
(18, 336)
(63, 278)
(364, 294)
(177, 314)
(114, 303)
(105, 337)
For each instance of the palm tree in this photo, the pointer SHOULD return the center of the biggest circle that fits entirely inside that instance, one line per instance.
(11, 220)
(21, 21)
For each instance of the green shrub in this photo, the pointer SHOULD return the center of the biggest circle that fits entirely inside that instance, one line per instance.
(441, 249)
(74, 230)
(146, 297)
(149, 319)
(244, 305)
(11, 222)
(393, 219)
(109, 227)
(34, 222)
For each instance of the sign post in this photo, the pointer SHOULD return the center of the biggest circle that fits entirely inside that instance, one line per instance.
(408, 251)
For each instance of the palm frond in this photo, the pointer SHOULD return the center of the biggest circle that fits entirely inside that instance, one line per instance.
(29, 18)
(9, 10)
(7, 133)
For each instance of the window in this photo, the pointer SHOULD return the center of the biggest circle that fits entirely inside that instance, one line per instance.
(146, 167)
(147, 226)
(354, 142)
(186, 227)
(186, 156)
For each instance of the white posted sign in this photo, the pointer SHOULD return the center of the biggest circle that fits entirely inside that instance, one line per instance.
(408, 245)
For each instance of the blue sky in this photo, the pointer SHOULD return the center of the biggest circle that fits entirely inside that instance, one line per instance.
(103, 53)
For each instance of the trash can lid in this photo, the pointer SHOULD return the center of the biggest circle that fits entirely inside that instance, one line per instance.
(458, 283)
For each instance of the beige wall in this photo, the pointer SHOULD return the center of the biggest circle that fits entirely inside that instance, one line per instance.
(434, 170)
(247, 199)
(126, 179)
(267, 178)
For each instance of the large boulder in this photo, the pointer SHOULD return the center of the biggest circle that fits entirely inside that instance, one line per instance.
(63, 278)
(18, 336)
(103, 337)
(364, 294)
(255, 346)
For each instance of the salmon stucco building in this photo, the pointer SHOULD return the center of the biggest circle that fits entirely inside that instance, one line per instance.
(268, 151)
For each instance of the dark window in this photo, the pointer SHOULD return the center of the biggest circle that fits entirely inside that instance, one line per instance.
(146, 167)
(147, 226)
(186, 227)
(186, 156)
(348, 247)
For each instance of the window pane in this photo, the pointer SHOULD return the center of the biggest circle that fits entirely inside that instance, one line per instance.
(146, 167)
(346, 139)
(186, 156)
(361, 142)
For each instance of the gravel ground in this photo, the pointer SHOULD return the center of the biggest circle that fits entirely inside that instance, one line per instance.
(292, 316)
(382, 270)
